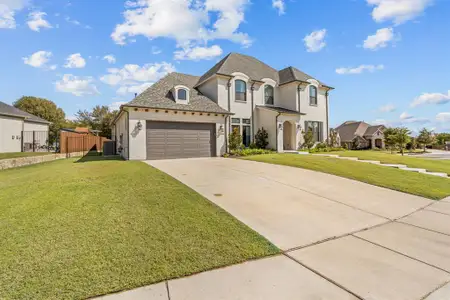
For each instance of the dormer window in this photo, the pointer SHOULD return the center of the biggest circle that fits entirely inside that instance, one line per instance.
(181, 94)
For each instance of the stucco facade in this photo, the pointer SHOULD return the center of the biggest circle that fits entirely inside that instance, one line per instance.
(287, 96)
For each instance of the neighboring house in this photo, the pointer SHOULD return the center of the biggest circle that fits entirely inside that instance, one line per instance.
(188, 116)
(360, 135)
(17, 129)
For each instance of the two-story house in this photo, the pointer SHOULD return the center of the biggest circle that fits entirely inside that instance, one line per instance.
(184, 116)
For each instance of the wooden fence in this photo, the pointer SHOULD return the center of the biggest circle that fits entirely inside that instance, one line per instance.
(76, 142)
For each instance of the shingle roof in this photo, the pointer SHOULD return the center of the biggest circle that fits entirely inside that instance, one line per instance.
(6, 109)
(348, 130)
(235, 62)
(255, 69)
(159, 96)
(372, 129)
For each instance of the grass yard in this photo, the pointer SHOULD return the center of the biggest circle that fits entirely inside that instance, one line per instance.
(432, 165)
(22, 154)
(72, 230)
(409, 182)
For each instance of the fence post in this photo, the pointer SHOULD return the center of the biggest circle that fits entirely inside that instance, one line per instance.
(34, 140)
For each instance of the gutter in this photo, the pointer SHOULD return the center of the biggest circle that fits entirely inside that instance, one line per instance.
(276, 128)
(226, 133)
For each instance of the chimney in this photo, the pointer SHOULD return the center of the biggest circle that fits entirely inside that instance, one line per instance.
(135, 95)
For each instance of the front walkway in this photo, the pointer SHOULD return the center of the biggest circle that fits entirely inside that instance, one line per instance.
(341, 239)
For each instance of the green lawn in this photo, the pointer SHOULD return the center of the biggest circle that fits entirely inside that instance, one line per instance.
(72, 230)
(432, 165)
(22, 154)
(409, 182)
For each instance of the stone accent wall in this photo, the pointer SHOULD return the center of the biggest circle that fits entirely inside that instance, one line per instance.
(31, 160)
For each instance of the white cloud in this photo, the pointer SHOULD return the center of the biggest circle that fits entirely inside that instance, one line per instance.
(360, 69)
(133, 79)
(156, 50)
(76, 22)
(75, 61)
(443, 117)
(133, 74)
(8, 9)
(387, 108)
(39, 60)
(431, 98)
(314, 41)
(198, 53)
(36, 21)
(398, 11)
(280, 6)
(116, 105)
(78, 86)
(186, 21)
(110, 58)
(405, 116)
(380, 39)
(133, 89)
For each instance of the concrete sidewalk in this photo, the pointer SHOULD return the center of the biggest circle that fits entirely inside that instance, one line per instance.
(341, 239)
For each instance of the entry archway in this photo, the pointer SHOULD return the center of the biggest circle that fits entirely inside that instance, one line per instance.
(288, 136)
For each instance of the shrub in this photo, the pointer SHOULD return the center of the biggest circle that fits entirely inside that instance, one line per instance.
(327, 149)
(235, 140)
(253, 146)
(308, 139)
(261, 138)
(248, 152)
(321, 146)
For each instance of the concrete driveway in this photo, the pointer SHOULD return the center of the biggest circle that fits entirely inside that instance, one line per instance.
(341, 239)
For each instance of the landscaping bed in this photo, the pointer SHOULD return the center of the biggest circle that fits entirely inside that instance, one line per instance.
(431, 187)
(73, 229)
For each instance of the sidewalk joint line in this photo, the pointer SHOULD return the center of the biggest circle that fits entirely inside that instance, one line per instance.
(324, 277)
(435, 290)
(432, 230)
(168, 291)
(398, 252)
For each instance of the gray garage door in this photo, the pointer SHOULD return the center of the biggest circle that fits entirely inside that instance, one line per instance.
(166, 140)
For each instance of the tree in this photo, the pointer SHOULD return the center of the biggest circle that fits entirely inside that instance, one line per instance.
(235, 140)
(390, 138)
(442, 138)
(425, 138)
(98, 119)
(308, 139)
(402, 138)
(45, 109)
(333, 141)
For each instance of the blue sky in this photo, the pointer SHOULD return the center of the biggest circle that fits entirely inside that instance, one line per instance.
(388, 59)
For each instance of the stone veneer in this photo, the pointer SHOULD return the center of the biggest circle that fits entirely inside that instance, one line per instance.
(31, 160)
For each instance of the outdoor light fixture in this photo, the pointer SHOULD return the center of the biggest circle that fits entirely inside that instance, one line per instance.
(280, 126)
(221, 129)
(139, 125)
(299, 127)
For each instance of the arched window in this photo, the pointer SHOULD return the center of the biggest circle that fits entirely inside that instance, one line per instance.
(241, 90)
(182, 94)
(269, 94)
(312, 95)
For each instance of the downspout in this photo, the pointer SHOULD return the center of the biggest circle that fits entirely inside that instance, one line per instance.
(326, 103)
(226, 133)
(276, 128)
(299, 89)
(253, 116)
(228, 125)
(128, 133)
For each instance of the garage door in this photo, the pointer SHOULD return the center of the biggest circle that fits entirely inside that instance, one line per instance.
(166, 140)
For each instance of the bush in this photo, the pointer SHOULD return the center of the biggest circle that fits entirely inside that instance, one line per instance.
(261, 138)
(248, 152)
(321, 146)
(235, 140)
(253, 146)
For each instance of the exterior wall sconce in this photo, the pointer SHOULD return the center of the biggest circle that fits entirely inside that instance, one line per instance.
(299, 127)
(280, 126)
(221, 129)
(139, 126)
